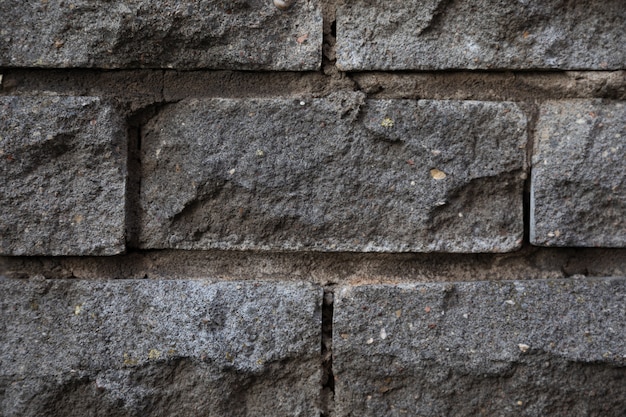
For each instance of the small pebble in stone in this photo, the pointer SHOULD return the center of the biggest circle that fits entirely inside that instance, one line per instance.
(283, 4)
(437, 174)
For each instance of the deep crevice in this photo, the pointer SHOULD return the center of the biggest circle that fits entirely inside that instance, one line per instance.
(327, 394)
(133, 180)
(532, 114)
(134, 123)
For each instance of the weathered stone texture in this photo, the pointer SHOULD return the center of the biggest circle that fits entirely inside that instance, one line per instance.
(578, 193)
(242, 34)
(63, 170)
(334, 174)
(509, 348)
(485, 34)
(170, 348)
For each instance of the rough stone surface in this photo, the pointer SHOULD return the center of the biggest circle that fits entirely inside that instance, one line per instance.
(578, 192)
(168, 348)
(334, 174)
(63, 170)
(242, 34)
(531, 348)
(485, 34)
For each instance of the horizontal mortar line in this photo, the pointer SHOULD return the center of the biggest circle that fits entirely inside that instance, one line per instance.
(294, 83)
(333, 285)
(521, 253)
(251, 72)
(325, 268)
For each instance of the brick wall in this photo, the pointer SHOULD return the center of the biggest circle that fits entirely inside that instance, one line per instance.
(351, 208)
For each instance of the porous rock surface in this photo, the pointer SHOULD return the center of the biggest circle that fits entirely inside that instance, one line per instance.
(63, 169)
(484, 34)
(240, 34)
(166, 348)
(334, 174)
(578, 186)
(509, 348)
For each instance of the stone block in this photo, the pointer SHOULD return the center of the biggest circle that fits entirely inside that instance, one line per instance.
(63, 164)
(484, 34)
(508, 348)
(241, 34)
(175, 348)
(334, 174)
(578, 185)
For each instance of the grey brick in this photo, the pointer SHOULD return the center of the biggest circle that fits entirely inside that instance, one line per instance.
(485, 34)
(334, 174)
(578, 193)
(508, 348)
(175, 348)
(63, 167)
(161, 34)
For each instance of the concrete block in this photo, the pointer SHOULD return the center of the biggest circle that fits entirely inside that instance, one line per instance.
(484, 34)
(334, 174)
(578, 192)
(241, 34)
(175, 348)
(508, 348)
(63, 164)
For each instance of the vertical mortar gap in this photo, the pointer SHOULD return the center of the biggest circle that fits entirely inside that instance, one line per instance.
(163, 77)
(133, 180)
(533, 115)
(327, 394)
(135, 122)
(329, 29)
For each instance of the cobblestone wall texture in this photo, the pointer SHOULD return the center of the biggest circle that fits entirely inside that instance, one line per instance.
(312, 208)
